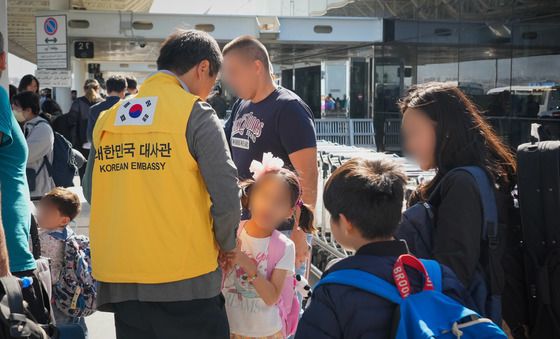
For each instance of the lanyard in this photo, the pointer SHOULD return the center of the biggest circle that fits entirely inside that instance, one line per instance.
(401, 278)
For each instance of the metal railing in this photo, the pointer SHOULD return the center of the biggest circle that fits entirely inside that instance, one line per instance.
(329, 157)
(349, 132)
(513, 130)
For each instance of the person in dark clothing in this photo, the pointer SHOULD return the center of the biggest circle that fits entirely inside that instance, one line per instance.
(533, 106)
(116, 89)
(218, 102)
(78, 118)
(51, 109)
(13, 91)
(444, 130)
(131, 86)
(269, 118)
(364, 199)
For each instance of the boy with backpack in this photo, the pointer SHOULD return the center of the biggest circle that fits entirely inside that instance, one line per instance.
(358, 296)
(74, 289)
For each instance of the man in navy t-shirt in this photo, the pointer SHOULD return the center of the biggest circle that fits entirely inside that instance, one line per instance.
(269, 118)
(281, 124)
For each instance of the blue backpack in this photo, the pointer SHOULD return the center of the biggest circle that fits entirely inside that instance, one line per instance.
(417, 227)
(426, 314)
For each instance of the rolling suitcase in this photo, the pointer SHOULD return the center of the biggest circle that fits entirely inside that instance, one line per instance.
(539, 203)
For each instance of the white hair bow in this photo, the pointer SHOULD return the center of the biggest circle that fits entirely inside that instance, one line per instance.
(269, 163)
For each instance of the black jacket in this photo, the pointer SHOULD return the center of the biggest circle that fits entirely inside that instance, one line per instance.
(338, 311)
(458, 219)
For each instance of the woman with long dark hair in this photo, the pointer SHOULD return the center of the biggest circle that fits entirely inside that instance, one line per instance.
(444, 130)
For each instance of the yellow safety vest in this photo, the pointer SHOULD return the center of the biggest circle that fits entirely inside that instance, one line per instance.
(150, 212)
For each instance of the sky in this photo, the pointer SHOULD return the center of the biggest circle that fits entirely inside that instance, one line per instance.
(18, 67)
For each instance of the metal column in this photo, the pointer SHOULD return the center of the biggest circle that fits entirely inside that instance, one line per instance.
(62, 95)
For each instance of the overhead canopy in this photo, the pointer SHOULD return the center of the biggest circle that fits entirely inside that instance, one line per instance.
(21, 19)
(130, 41)
(465, 10)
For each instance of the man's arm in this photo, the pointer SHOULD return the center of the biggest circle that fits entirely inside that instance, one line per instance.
(305, 164)
(297, 134)
(5, 132)
(4, 260)
(208, 145)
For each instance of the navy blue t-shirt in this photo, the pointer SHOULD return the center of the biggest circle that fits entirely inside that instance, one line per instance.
(281, 124)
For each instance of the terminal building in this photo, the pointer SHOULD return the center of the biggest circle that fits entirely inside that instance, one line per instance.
(350, 60)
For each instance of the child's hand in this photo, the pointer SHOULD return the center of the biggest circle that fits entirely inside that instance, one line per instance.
(243, 260)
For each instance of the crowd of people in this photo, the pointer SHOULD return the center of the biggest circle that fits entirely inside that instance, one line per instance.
(199, 230)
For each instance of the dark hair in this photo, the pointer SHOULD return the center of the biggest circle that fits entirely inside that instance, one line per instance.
(46, 92)
(52, 107)
(27, 100)
(306, 218)
(250, 47)
(184, 49)
(13, 91)
(131, 82)
(116, 83)
(463, 137)
(1, 42)
(66, 201)
(26, 81)
(369, 193)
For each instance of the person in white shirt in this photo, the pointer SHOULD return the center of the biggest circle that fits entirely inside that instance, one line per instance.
(40, 142)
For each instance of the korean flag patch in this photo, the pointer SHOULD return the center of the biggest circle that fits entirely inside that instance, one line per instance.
(136, 112)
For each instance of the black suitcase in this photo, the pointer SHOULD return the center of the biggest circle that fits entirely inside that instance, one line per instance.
(539, 203)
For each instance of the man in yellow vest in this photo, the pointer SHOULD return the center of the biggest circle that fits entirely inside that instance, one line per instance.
(164, 200)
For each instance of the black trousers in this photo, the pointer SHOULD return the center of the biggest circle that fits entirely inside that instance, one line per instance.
(200, 319)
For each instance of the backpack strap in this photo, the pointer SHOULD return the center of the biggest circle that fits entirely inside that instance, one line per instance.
(46, 161)
(434, 272)
(276, 250)
(42, 121)
(487, 200)
(276, 247)
(364, 281)
(14, 295)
